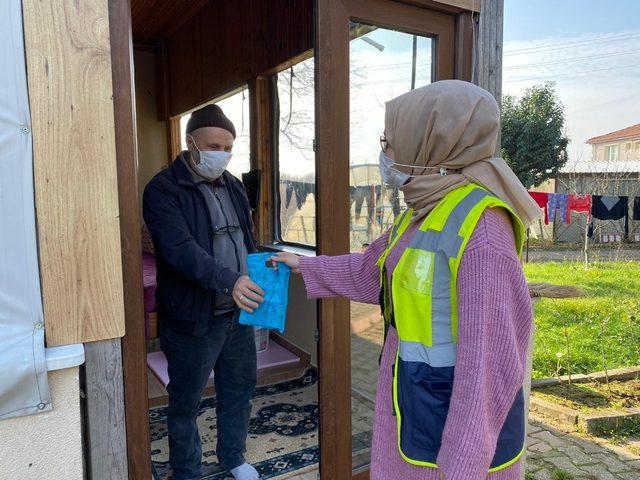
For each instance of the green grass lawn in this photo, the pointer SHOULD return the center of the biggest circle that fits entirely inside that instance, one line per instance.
(584, 335)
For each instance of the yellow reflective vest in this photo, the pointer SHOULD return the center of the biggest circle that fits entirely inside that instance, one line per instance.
(422, 304)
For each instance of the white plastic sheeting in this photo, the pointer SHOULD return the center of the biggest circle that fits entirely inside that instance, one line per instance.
(24, 389)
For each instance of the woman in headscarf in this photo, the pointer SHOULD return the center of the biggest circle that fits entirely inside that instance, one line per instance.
(452, 289)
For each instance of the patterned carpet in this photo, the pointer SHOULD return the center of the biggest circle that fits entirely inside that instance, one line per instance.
(283, 431)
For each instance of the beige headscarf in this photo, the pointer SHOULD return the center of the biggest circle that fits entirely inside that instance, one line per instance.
(454, 125)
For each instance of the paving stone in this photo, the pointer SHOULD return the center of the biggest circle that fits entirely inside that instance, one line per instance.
(623, 454)
(544, 474)
(532, 441)
(587, 446)
(613, 464)
(630, 475)
(533, 428)
(550, 438)
(601, 473)
(635, 464)
(565, 464)
(542, 447)
(578, 457)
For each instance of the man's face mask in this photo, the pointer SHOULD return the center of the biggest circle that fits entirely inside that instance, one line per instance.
(212, 163)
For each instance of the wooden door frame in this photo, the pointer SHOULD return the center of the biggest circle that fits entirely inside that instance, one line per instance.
(133, 344)
(452, 33)
(332, 132)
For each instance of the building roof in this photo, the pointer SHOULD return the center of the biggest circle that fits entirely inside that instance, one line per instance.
(629, 132)
(602, 166)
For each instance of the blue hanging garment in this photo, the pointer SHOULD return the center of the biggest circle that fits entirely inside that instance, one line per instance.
(275, 283)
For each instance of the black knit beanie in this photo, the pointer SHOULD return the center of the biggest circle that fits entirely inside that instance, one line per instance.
(210, 116)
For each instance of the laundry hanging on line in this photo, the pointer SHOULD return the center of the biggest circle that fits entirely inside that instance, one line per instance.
(301, 191)
(579, 203)
(610, 207)
(636, 208)
(558, 202)
(542, 199)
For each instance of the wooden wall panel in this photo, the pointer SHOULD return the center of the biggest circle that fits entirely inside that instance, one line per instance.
(228, 43)
(70, 93)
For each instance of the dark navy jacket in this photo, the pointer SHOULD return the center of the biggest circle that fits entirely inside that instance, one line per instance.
(189, 276)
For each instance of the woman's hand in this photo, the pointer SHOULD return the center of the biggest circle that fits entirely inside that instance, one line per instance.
(289, 259)
(247, 294)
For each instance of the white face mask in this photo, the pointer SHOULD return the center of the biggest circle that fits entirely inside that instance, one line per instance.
(395, 178)
(212, 162)
(390, 175)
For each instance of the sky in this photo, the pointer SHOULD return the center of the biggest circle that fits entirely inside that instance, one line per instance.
(589, 48)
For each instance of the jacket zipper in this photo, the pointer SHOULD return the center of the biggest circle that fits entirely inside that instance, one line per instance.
(226, 219)
(206, 207)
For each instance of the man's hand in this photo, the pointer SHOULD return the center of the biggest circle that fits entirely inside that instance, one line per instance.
(287, 258)
(247, 294)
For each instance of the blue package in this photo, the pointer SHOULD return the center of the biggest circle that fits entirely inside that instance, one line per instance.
(275, 283)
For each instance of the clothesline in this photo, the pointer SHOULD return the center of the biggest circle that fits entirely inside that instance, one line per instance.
(369, 194)
(601, 207)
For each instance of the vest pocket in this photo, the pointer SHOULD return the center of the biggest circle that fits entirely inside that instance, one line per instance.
(424, 393)
(411, 295)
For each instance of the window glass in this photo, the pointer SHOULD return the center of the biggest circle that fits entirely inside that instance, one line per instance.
(236, 108)
(382, 67)
(611, 152)
(296, 156)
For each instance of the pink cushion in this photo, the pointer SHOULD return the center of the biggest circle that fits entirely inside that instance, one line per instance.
(149, 282)
(275, 356)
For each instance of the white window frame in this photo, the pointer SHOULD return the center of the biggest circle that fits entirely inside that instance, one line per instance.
(613, 147)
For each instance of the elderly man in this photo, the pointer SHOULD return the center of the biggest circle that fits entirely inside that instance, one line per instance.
(200, 222)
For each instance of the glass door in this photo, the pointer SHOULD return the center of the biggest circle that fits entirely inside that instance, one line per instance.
(383, 63)
(367, 52)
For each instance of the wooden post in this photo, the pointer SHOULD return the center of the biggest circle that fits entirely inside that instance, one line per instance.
(332, 233)
(106, 436)
(134, 360)
(488, 62)
(262, 148)
(586, 242)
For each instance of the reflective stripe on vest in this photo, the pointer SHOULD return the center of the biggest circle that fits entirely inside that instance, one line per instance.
(423, 290)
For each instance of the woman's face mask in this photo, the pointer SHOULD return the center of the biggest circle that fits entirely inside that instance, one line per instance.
(391, 176)
(212, 162)
(394, 177)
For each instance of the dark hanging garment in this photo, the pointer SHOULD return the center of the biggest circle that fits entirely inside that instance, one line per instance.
(361, 193)
(395, 203)
(610, 207)
(371, 203)
(288, 194)
(636, 208)
(251, 181)
(302, 190)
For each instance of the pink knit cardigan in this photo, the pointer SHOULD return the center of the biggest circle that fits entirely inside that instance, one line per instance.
(495, 320)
